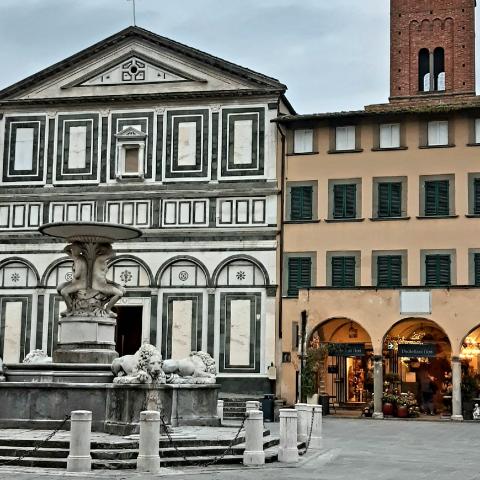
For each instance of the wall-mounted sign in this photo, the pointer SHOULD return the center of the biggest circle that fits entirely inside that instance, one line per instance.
(286, 357)
(346, 349)
(415, 302)
(417, 350)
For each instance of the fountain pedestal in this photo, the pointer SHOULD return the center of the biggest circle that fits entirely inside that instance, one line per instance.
(86, 330)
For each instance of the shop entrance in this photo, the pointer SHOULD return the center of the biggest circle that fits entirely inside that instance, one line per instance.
(417, 368)
(128, 332)
(344, 366)
(470, 358)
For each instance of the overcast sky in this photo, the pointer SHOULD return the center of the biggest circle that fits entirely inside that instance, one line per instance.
(332, 54)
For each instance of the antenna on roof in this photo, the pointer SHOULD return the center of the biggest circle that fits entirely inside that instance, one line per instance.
(133, 11)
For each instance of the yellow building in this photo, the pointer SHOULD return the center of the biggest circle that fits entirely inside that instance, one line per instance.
(380, 231)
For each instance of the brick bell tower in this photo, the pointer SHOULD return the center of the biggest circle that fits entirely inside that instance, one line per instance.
(432, 49)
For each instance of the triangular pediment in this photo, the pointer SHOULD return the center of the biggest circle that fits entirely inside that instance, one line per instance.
(136, 62)
(133, 68)
(131, 132)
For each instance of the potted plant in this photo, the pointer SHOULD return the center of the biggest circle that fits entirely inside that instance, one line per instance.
(469, 390)
(314, 375)
(389, 403)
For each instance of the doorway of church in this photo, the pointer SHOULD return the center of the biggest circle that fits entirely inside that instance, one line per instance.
(128, 335)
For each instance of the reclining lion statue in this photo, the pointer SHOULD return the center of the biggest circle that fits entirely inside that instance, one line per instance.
(197, 368)
(143, 367)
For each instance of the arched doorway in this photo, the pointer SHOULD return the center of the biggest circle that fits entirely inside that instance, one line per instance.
(417, 365)
(343, 355)
(470, 367)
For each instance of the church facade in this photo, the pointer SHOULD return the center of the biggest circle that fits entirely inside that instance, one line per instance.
(143, 131)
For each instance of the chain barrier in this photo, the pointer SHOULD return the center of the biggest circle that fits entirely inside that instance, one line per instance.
(38, 445)
(210, 462)
(310, 433)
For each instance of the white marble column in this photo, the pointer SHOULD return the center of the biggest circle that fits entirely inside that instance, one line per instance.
(377, 386)
(288, 451)
(220, 405)
(79, 459)
(304, 417)
(254, 454)
(316, 427)
(456, 390)
(148, 459)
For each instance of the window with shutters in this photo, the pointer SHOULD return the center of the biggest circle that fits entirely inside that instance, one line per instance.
(299, 274)
(438, 270)
(437, 198)
(301, 199)
(345, 201)
(476, 196)
(476, 138)
(476, 269)
(389, 271)
(390, 135)
(389, 199)
(437, 133)
(345, 138)
(303, 141)
(343, 272)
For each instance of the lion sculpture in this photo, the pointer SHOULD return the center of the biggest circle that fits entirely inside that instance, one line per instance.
(197, 368)
(143, 367)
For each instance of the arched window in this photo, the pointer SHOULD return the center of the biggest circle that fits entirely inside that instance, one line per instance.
(439, 69)
(128, 273)
(60, 274)
(17, 274)
(241, 273)
(424, 70)
(183, 273)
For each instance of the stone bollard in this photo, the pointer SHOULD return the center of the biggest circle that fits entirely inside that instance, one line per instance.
(304, 419)
(148, 459)
(288, 451)
(79, 459)
(254, 454)
(252, 405)
(316, 436)
(220, 410)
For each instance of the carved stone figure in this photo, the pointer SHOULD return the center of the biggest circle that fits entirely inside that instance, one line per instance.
(476, 412)
(89, 293)
(79, 280)
(143, 367)
(37, 356)
(197, 368)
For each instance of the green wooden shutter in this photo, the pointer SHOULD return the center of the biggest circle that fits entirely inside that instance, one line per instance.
(389, 199)
(437, 270)
(437, 201)
(476, 196)
(389, 271)
(345, 201)
(301, 203)
(343, 272)
(299, 274)
(476, 259)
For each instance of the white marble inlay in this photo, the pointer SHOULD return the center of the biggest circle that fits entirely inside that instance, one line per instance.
(24, 149)
(182, 311)
(77, 148)
(13, 330)
(242, 143)
(240, 332)
(187, 143)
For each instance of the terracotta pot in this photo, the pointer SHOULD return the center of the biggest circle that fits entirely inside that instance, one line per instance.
(388, 409)
(402, 411)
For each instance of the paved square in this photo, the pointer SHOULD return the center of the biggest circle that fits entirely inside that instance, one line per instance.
(354, 449)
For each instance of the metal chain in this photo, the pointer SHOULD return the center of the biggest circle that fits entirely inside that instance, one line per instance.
(311, 429)
(215, 459)
(38, 445)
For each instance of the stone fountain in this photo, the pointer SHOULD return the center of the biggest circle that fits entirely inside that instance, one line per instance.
(85, 373)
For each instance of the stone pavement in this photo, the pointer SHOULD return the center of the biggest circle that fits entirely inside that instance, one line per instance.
(354, 449)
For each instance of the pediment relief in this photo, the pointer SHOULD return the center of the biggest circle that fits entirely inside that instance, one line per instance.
(131, 132)
(133, 68)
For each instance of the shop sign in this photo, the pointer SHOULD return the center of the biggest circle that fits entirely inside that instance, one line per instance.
(346, 349)
(417, 350)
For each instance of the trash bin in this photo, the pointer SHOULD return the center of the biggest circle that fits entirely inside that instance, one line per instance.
(324, 401)
(268, 404)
